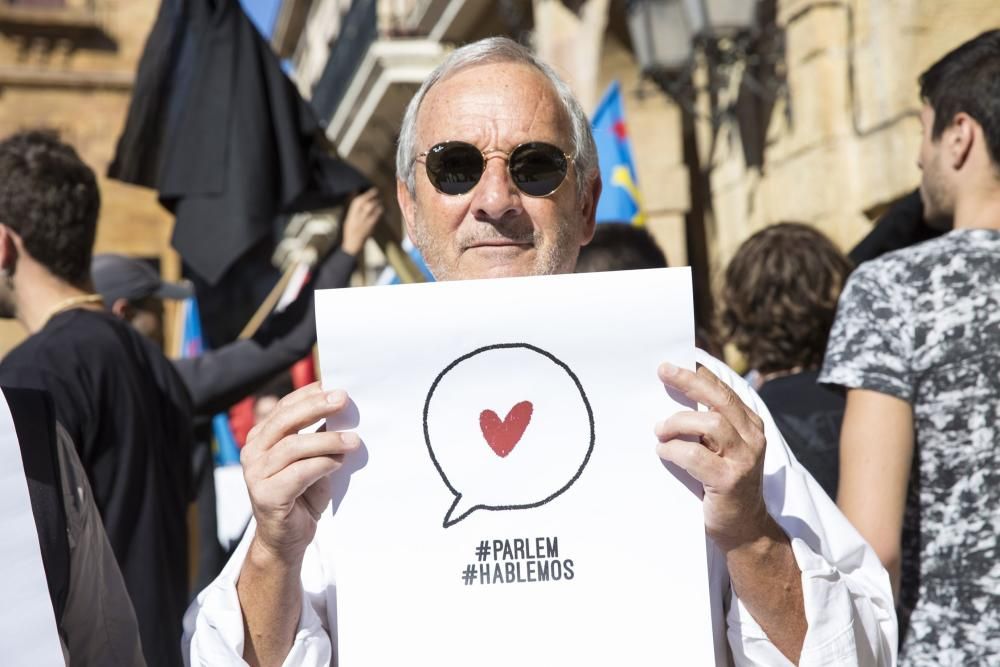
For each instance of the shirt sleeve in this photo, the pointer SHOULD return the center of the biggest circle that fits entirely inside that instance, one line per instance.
(98, 622)
(846, 592)
(219, 378)
(213, 624)
(871, 342)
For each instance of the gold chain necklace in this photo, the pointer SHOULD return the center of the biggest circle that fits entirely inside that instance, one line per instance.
(71, 302)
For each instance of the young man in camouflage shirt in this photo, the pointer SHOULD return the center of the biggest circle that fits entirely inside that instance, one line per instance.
(916, 343)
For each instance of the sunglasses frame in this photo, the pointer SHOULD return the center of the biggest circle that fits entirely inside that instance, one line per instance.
(489, 155)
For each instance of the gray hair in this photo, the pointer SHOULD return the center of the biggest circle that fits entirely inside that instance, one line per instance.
(499, 50)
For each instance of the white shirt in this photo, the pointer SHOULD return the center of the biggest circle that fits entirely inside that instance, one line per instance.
(846, 591)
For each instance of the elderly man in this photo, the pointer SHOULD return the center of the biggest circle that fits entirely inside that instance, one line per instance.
(498, 177)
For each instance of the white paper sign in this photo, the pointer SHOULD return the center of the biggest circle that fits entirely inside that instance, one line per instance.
(508, 507)
(27, 623)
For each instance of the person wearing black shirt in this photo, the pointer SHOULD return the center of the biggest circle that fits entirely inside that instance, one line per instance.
(92, 610)
(217, 379)
(779, 300)
(121, 401)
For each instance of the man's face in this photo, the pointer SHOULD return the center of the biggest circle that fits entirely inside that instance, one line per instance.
(495, 229)
(935, 190)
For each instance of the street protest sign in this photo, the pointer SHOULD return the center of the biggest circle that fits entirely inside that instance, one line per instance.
(28, 633)
(508, 506)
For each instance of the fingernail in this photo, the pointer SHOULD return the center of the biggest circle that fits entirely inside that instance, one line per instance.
(667, 368)
(336, 397)
(350, 440)
(660, 425)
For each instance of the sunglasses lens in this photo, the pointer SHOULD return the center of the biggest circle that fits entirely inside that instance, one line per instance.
(454, 167)
(537, 168)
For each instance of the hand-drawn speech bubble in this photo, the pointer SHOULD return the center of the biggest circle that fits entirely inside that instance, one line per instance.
(508, 427)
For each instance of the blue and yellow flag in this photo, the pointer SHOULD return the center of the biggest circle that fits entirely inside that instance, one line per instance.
(620, 200)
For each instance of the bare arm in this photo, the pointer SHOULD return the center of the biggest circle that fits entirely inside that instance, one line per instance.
(876, 454)
(775, 601)
(286, 475)
(270, 592)
(728, 460)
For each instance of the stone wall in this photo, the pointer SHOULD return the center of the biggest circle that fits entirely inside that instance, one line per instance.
(835, 146)
(78, 81)
(654, 129)
(842, 139)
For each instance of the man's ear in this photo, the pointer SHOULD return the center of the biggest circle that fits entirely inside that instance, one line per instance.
(120, 308)
(8, 250)
(407, 205)
(588, 208)
(961, 137)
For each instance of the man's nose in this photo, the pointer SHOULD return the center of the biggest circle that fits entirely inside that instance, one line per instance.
(496, 197)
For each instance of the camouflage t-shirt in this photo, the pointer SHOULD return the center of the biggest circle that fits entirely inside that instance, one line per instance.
(923, 324)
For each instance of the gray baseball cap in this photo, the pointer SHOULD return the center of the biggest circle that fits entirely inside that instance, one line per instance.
(119, 277)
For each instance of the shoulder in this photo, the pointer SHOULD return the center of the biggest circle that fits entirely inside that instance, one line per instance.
(906, 268)
(21, 356)
(67, 336)
(33, 368)
(71, 343)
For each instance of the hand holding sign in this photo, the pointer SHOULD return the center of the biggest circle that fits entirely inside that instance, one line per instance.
(286, 470)
(729, 460)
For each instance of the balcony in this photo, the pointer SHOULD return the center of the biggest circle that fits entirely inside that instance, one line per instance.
(358, 31)
(41, 30)
(49, 15)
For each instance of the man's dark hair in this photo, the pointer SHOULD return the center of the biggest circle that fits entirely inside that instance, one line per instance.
(967, 80)
(49, 197)
(780, 296)
(617, 246)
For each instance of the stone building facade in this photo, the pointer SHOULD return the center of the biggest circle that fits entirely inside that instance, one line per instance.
(68, 65)
(833, 142)
(840, 144)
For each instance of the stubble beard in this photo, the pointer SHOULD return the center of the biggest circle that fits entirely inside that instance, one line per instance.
(938, 211)
(559, 256)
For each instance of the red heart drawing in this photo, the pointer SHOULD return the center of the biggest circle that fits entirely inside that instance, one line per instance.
(501, 436)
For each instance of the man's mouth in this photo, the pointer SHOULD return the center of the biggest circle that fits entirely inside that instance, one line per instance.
(499, 243)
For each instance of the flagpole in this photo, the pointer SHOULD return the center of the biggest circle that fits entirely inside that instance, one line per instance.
(270, 302)
(395, 256)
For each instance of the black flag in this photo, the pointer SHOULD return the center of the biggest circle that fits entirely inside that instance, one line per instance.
(220, 131)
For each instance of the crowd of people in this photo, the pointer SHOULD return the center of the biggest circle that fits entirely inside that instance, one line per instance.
(870, 407)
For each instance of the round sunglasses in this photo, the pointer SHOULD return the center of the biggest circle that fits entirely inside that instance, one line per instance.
(536, 168)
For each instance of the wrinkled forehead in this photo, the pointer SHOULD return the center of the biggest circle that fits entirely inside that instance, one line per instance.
(494, 105)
